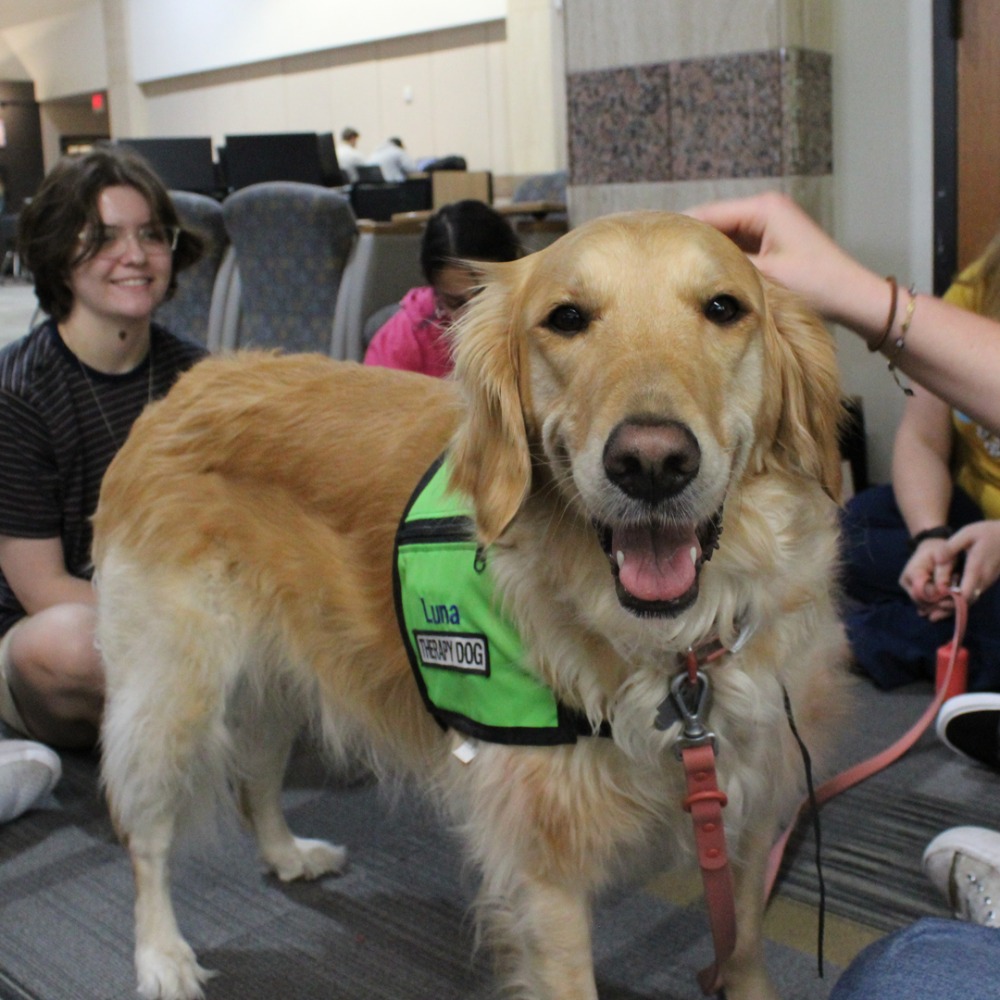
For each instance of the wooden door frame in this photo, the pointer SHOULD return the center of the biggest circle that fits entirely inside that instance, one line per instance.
(946, 32)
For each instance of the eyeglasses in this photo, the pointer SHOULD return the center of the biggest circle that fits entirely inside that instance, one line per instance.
(451, 305)
(111, 242)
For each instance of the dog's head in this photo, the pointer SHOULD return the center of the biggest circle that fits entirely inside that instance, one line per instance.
(638, 368)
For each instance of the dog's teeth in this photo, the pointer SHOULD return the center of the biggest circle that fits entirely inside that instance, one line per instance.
(694, 555)
(621, 558)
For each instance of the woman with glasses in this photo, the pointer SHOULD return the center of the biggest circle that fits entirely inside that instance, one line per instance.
(104, 245)
(415, 337)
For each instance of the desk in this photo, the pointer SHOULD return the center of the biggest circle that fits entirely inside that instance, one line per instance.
(536, 223)
(537, 209)
(401, 224)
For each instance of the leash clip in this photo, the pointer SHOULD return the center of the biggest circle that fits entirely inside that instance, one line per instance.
(691, 700)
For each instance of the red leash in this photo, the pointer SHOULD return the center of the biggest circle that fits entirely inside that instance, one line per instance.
(951, 658)
(691, 696)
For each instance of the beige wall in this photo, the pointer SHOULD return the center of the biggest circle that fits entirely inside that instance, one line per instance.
(182, 37)
(443, 93)
(536, 85)
(63, 55)
(883, 195)
(601, 34)
(492, 92)
(11, 67)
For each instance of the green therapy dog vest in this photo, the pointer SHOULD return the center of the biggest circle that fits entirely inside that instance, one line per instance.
(466, 655)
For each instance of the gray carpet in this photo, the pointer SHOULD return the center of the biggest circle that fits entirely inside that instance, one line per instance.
(395, 925)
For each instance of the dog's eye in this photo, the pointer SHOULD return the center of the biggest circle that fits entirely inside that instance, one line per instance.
(723, 309)
(567, 320)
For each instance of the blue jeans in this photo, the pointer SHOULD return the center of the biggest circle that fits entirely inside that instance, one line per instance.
(890, 641)
(932, 959)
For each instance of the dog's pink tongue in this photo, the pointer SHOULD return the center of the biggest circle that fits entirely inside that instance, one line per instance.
(655, 564)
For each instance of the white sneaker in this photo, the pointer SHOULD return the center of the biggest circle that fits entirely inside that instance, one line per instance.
(963, 863)
(28, 772)
(969, 724)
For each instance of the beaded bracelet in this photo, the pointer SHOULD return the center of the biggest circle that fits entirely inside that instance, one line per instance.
(900, 341)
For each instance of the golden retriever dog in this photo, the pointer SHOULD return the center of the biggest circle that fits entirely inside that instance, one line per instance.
(644, 435)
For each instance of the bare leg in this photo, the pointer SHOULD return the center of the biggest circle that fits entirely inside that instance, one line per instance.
(55, 675)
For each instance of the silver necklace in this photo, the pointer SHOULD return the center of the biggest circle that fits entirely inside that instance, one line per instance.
(115, 440)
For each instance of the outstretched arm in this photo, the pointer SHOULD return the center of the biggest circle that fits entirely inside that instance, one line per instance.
(953, 352)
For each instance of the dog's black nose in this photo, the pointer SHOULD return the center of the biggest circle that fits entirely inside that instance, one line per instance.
(651, 460)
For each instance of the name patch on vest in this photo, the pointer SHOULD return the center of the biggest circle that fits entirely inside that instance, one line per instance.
(465, 652)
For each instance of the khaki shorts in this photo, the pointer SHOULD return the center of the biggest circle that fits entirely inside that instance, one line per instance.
(8, 710)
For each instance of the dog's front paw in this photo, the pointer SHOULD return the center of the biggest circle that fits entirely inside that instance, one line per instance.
(172, 974)
(307, 859)
(754, 984)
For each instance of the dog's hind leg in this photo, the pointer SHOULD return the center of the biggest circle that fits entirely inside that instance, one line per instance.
(165, 963)
(264, 748)
(164, 749)
(150, 771)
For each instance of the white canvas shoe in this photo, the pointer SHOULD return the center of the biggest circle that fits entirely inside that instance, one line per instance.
(963, 863)
(28, 772)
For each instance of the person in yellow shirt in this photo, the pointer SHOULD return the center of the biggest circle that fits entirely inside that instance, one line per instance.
(977, 450)
(945, 485)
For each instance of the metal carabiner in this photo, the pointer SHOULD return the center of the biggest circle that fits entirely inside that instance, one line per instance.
(692, 700)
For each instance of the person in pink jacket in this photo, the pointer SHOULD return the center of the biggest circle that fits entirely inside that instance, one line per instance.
(414, 338)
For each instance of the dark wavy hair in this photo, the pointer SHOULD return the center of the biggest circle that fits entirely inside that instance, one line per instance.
(466, 230)
(66, 206)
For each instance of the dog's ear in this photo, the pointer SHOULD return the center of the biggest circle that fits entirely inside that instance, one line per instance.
(490, 457)
(806, 410)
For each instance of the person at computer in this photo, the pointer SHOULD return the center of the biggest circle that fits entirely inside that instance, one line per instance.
(349, 157)
(393, 160)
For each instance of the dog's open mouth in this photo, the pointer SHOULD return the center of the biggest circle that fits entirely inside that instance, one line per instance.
(656, 567)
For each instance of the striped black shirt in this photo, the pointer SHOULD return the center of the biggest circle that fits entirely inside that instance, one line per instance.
(60, 426)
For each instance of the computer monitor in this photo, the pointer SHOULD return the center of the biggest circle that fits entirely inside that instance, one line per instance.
(369, 174)
(381, 202)
(183, 164)
(281, 156)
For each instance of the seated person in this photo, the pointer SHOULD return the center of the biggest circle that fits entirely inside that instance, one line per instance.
(105, 245)
(415, 337)
(349, 157)
(940, 512)
(393, 160)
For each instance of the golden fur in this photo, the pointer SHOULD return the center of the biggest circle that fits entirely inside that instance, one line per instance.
(244, 545)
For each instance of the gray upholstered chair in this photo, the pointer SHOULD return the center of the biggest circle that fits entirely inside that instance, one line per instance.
(543, 187)
(375, 322)
(383, 266)
(189, 312)
(291, 242)
(537, 233)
